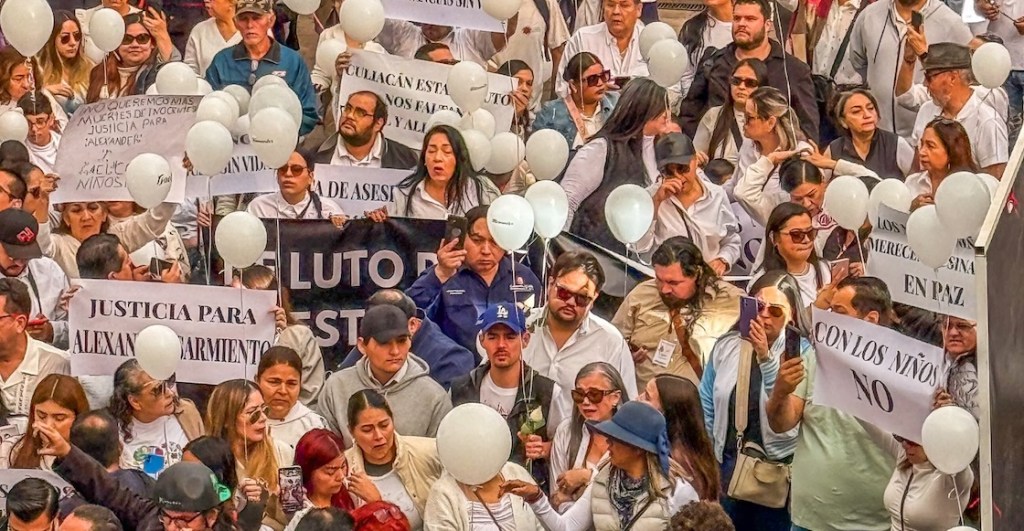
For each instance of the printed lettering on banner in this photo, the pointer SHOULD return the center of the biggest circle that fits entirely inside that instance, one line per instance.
(103, 137)
(8, 478)
(245, 174)
(950, 290)
(469, 13)
(223, 330)
(357, 189)
(414, 90)
(874, 373)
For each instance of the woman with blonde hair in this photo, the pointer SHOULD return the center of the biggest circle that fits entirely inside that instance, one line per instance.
(57, 401)
(63, 63)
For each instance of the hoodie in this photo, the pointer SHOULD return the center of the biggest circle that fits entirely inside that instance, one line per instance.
(417, 402)
(299, 421)
(876, 51)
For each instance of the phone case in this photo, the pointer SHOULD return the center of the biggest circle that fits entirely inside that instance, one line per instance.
(292, 494)
(748, 312)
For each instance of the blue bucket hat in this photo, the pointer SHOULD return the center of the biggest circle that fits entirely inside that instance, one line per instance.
(640, 426)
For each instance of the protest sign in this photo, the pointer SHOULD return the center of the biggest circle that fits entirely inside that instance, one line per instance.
(103, 137)
(751, 235)
(357, 189)
(874, 373)
(245, 174)
(8, 478)
(414, 90)
(223, 330)
(469, 13)
(948, 290)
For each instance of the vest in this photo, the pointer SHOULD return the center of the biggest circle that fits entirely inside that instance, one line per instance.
(881, 156)
(622, 165)
(654, 518)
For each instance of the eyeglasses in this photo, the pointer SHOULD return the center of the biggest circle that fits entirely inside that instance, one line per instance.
(180, 522)
(931, 74)
(801, 236)
(253, 65)
(565, 295)
(775, 310)
(259, 413)
(291, 169)
(162, 387)
(357, 112)
(960, 326)
(744, 82)
(383, 516)
(65, 38)
(595, 396)
(598, 79)
(142, 38)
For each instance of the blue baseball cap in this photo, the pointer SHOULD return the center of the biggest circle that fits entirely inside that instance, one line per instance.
(503, 313)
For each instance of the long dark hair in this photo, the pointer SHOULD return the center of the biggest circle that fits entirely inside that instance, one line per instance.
(795, 171)
(577, 65)
(681, 250)
(727, 118)
(778, 219)
(954, 139)
(216, 454)
(112, 78)
(457, 187)
(10, 59)
(642, 101)
(688, 437)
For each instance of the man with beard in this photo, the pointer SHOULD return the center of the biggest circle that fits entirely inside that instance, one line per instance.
(360, 142)
(21, 259)
(566, 335)
(711, 85)
(673, 321)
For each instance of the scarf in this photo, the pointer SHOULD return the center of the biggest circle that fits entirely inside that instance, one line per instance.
(624, 492)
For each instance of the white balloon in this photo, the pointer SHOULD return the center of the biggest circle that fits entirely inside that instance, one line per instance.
(629, 211)
(930, 240)
(303, 7)
(950, 437)
(241, 96)
(205, 88)
(362, 20)
(280, 97)
(550, 207)
(846, 201)
(152, 91)
(501, 9)
(148, 179)
(467, 85)
(241, 239)
(13, 126)
(444, 117)
(241, 127)
(892, 193)
(507, 151)
(218, 110)
(481, 120)
(226, 98)
(963, 527)
(991, 64)
(471, 443)
(177, 79)
(26, 25)
(273, 134)
(158, 350)
(327, 53)
(106, 27)
(269, 79)
(652, 33)
(209, 147)
(547, 153)
(962, 202)
(667, 63)
(92, 52)
(479, 148)
(510, 220)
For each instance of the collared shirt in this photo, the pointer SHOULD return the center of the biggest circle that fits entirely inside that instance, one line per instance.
(403, 38)
(373, 159)
(599, 41)
(46, 281)
(985, 129)
(422, 206)
(840, 18)
(274, 206)
(397, 377)
(709, 222)
(41, 360)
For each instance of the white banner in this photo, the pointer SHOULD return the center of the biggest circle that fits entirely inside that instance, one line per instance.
(103, 137)
(8, 478)
(469, 13)
(245, 173)
(223, 330)
(358, 189)
(950, 290)
(751, 235)
(414, 90)
(874, 373)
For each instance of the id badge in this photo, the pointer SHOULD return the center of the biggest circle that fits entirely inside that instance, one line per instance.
(664, 353)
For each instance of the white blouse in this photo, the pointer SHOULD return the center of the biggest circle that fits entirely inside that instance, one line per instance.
(204, 43)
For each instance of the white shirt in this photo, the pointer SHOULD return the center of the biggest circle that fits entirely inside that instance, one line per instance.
(985, 129)
(807, 281)
(529, 46)
(295, 424)
(500, 399)
(840, 18)
(163, 436)
(41, 360)
(560, 458)
(706, 128)
(716, 34)
(46, 281)
(342, 157)
(586, 171)
(329, 79)
(1003, 26)
(204, 42)
(403, 38)
(709, 222)
(597, 40)
(44, 156)
(483, 518)
(393, 491)
(272, 206)
(423, 206)
(591, 125)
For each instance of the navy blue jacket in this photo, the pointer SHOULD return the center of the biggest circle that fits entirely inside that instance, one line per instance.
(456, 305)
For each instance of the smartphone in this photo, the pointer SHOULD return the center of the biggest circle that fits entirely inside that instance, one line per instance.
(748, 312)
(620, 81)
(840, 269)
(792, 343)
(456, 230)
(916, 20)
(158, 266)
(292, 495)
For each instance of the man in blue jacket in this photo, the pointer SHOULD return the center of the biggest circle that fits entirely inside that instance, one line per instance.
(259, 55)
(464, 282)
(447, 359)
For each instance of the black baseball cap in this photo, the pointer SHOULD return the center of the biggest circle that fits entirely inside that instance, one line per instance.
(189, 487)
(674, 148)
(383, 323)
(18, 232)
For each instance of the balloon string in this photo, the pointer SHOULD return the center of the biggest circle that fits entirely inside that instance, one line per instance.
(956, 492)
(209, 240)
(860, 251)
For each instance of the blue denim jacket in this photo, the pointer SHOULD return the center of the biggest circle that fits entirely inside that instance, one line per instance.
(555, 115)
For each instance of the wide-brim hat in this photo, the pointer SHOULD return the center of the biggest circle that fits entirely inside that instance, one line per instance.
(636, 424)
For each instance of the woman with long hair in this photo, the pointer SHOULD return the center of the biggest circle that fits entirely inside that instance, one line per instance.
(522, 95)
(709, 29)
(622, 152)
(18, 77)
(863, 142)
(130, 69)
(944, 150)
(679, 400)
(57, 401)
(580, 114)
(779, 305)
(65, 67)
(720, 133)
(279, 376)
(789, 247)
(321, 455)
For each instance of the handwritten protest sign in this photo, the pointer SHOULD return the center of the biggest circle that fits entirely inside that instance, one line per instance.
(8, 478)
(223, 330)
(414, 90)
(950, 290)
(357, 189)
(103, 137)
(469, 13)
(874, 373)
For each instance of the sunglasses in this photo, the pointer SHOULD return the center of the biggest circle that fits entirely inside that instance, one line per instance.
(291, 169)
(598, 79)
(142, 38)
(161, 387)
(801, 236)
(744, 82)
(595, 396)
(66, 38)
(775, 310)
(259, 413)
(565, 295)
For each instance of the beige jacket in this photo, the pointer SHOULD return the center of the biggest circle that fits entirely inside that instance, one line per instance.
(416, 462)
(446, 507)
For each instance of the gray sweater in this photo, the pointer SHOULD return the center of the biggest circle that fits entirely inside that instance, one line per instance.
(417, 402)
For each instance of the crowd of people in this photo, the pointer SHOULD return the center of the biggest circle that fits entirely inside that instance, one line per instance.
(639, 418)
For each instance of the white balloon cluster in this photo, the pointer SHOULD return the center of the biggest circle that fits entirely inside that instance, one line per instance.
(666, 57)
(961, 204)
